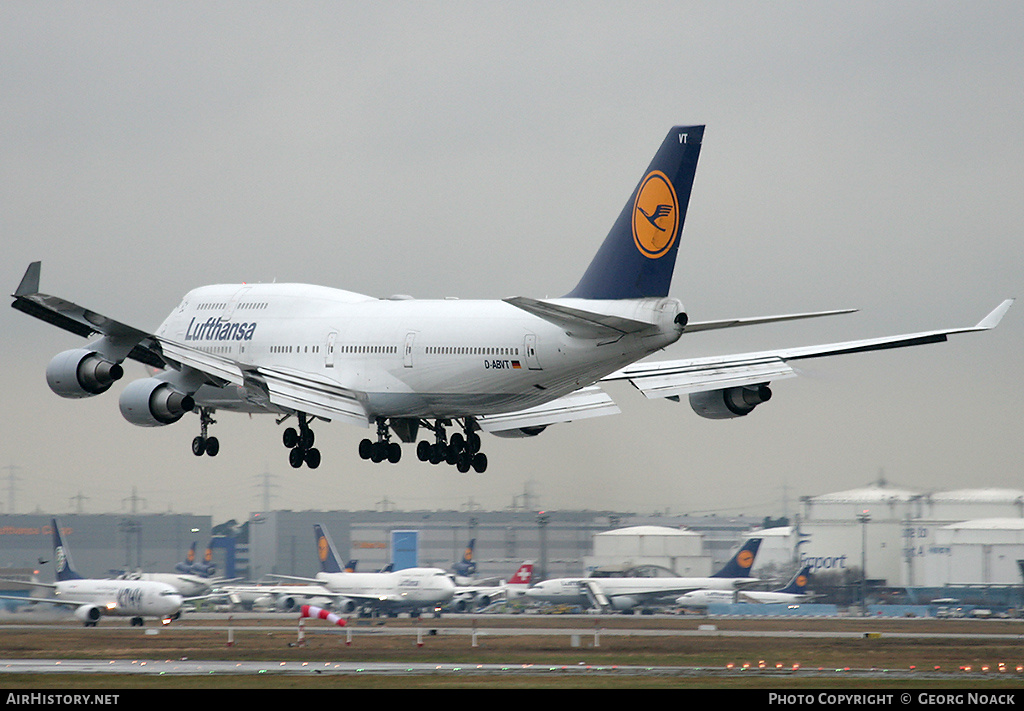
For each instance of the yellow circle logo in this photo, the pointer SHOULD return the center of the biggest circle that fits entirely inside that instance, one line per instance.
(801, 581)
(655, 215)
(321, 548)
(745, 559)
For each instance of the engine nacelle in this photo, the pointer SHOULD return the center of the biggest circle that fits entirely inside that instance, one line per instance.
(287, 603)
(344, 606)
(624, 602)
(81, 373)
(149, 402)
(89, 614)
(730, 402)
(520, 432)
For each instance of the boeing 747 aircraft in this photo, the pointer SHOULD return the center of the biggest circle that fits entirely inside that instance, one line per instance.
(451, 368)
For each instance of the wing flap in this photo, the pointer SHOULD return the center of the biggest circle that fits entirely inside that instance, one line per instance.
(587, 402)
(313, 395)
(675, 378)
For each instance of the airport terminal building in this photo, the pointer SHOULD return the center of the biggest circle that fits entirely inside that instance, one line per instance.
(901, 538)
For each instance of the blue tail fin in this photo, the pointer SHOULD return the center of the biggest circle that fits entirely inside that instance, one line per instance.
(65, 569)
(325, 550)
(798, 585)
(466, 566)
(741, 563)
(638, 256)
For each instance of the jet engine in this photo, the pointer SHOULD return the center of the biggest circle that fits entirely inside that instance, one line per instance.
(150, 402)
(286, 603)
(344, 606)
(520, 432)
(89, 614)
(81, 373)
(730, 402)
(624, 602)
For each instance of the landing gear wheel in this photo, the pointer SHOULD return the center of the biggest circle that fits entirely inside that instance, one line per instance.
(479, 462)
(394, 452)
(312, 457)
(423, 451)
(290, 437)
(296, 457)
(199, 446)
(212, 446)
(366, 449)
(465, 462)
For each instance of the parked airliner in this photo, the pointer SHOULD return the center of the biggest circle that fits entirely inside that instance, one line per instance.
(451, 368)
(628, 593)
(91, 599)
(795, 591)
(411, 590)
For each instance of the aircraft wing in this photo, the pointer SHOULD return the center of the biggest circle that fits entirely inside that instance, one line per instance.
(659, 379)
(283, 388)
(586, 402)
(52, 600)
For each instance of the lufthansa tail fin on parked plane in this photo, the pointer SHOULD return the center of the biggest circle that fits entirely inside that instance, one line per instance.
(638, 255)
(325, 550)
(740, 564)
(65, 569)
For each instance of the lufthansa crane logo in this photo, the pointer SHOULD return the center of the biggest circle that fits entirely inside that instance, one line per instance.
(655, 215)
(745, 559)
(321, 548)
(801, 581)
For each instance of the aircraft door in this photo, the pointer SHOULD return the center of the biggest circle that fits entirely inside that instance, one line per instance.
(410, 339)
(332, 337)
(229, 312)
(530, 352)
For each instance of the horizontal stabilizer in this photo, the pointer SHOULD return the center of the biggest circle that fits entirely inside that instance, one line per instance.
(695, 326)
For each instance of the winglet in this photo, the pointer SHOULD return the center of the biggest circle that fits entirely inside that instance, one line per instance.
(993, 319)
(30, 282)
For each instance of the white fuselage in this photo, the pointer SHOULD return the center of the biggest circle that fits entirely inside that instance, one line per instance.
(137, 598)
(409, 588)
(571, 591)
(409, 357)
(703, 598)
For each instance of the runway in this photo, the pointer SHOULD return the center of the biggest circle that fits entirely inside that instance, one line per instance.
(500, 646)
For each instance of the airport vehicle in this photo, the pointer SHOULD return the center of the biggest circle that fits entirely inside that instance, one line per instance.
(481, 594)
(92, 598)
(795, 591)
(510, 367)
(411, 590)
(629, 593)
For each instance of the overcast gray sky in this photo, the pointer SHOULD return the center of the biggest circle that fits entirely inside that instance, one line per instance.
(863, 155)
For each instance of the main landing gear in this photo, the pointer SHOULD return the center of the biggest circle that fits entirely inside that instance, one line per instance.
(461, 450)
(203, 444)
(300, 442)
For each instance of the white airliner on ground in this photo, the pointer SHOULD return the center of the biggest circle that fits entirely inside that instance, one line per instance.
(794, 592)
(628, 593)
(411, 590)
(454, 368)
(91, 599)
